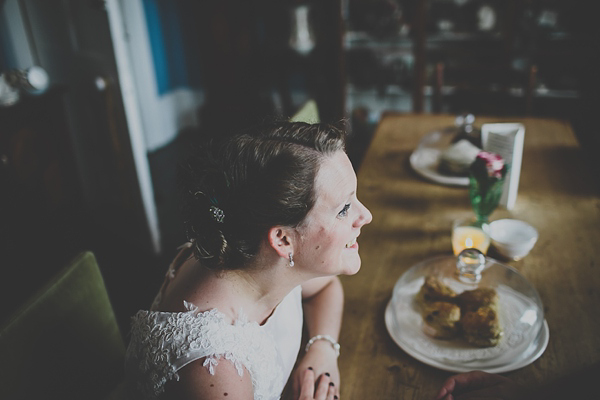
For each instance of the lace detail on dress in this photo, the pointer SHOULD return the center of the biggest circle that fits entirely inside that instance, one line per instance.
(162, 343)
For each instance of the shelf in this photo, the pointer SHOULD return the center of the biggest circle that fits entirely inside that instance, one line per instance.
(359, 40)
(404, 65)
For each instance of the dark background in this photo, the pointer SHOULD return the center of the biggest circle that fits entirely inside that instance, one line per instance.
(244, 57)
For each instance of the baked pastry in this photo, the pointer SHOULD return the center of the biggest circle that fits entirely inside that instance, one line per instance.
(471, 300)
(441, 320)
(433, 290)
(457, 158)
(472, 314)
(481, 327)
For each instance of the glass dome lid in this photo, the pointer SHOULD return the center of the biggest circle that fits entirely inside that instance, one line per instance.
(467, 312)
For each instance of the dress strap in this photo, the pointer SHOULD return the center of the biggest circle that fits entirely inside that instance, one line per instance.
(185, 252)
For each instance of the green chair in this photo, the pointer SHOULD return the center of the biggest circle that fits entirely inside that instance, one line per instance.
(308, 113)
(64, 343)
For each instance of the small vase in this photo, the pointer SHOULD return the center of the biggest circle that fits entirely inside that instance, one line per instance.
(484, 197)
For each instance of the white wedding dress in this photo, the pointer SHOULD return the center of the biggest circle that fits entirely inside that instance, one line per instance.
(162, 343)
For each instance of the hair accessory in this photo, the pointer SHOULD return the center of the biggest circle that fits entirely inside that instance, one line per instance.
(201, 193)
(217, 214)
(212, 199)
(336, 345)
(291, 257)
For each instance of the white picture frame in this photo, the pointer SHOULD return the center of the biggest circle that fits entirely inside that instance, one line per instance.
(507, 140)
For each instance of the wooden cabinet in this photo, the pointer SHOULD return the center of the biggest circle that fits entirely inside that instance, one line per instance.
(40, 196)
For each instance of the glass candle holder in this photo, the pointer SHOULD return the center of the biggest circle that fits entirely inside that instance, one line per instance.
(470, 233)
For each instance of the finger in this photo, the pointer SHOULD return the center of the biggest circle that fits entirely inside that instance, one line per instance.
(323, 387)
(331, 394)
(469, 380)
(337, 386)
(447, 387)
(307, 390)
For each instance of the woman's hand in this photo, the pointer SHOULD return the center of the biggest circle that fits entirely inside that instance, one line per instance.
(309, 390)
(480, 385)
(322, 360)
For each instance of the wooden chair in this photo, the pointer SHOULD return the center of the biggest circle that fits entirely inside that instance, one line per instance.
(309, 113)
(64, 343)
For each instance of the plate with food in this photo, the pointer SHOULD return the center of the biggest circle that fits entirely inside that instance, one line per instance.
(444, 157)
(495, 324)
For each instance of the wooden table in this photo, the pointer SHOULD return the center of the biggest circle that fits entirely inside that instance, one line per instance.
(411, 222)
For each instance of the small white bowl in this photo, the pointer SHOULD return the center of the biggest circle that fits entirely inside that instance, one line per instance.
(513, 238)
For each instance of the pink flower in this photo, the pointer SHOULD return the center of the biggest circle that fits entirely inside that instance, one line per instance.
(494, 164)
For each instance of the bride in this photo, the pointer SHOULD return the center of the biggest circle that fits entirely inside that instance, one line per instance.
(272, 218)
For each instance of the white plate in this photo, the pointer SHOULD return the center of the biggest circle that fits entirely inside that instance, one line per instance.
(425, 159)
(514, 361)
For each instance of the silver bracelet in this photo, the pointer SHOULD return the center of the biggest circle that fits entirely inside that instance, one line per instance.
(336, 345)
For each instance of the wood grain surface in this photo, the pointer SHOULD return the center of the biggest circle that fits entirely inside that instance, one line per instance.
(558, 194)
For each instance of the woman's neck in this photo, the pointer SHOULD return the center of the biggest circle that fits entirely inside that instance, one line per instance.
(256, 289)
(260, 287)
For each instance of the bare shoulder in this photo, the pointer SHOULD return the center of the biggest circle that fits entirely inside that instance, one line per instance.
(197, 383)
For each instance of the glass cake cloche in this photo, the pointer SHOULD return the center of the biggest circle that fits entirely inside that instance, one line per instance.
(467, 312)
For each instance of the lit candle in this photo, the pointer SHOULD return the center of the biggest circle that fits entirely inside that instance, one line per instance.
(468, 237)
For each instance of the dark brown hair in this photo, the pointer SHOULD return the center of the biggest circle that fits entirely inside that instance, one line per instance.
(258, 180)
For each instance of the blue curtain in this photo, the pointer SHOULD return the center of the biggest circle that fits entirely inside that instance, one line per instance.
(4, 50)
(173, 34)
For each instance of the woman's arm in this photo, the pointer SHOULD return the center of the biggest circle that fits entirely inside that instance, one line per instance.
(195, 382)
(323, 307)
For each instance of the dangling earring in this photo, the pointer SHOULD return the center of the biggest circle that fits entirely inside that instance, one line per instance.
(291, 260)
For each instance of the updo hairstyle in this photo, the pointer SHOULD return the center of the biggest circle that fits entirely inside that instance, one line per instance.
(257, 180)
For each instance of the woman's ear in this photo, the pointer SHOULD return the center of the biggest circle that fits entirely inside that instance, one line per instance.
(281, 240)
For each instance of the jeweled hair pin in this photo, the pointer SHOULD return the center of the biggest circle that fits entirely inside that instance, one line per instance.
(217, 214)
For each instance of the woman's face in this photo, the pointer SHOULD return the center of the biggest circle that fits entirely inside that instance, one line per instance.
(327, 237)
